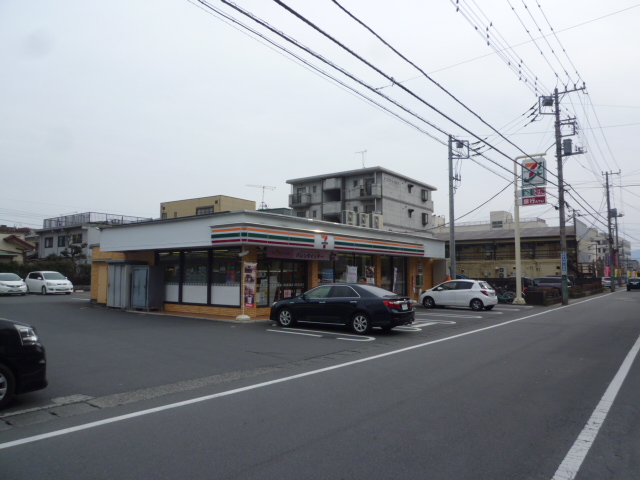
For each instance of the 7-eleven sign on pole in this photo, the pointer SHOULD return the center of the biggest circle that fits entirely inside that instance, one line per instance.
(534, 177)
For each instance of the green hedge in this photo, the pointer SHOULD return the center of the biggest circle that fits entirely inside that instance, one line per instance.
(78, 274)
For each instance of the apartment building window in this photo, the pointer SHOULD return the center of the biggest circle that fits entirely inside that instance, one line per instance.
(410, 186)
(164, 215)
(410, 211)
(424, 194)
(497, 224)
(425, 218)
(204, 210)
(62, 241)
(76, 238)
(369, 208)
(314, 213)
(48, 242)
(315, 189)
(301, 214)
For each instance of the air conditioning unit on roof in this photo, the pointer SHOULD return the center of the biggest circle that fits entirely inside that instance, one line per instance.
(348, 217)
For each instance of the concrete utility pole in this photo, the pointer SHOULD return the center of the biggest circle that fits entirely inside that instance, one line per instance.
(609, 235)
(563, 229)
(461, 151)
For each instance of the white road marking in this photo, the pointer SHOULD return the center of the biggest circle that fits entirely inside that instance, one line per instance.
(356, 338)
(205, 398)
(458, 315)
(569, 467)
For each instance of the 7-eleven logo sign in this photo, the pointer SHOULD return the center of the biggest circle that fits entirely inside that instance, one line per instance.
(534, 172)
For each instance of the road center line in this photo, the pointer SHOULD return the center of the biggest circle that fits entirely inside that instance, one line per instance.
(192, 401)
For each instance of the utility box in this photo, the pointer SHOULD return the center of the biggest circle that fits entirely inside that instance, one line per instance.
(119, 286)
(147, 287)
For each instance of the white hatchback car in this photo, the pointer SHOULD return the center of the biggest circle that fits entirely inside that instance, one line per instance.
(10, 283)
(48, 282)
(460, 293)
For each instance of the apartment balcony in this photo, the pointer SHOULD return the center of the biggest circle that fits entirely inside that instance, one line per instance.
(332, 208)
(297, 200)
(332, 183)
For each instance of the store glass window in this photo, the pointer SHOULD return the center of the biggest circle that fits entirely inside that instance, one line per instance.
(347, 268)
(170, 261)
(225, 277)
(194, 283)
(394, 273)
(279, 279)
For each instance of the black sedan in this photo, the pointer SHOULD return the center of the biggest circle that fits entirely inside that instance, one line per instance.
(23, 366)
(633, 282)
(359, 306)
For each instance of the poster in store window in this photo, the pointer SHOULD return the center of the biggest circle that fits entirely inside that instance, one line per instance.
(352, 274)
(370, 275)
(250, 270)
(395, 278)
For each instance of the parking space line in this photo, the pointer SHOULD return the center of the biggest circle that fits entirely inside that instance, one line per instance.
(449, 315)
(339, 336)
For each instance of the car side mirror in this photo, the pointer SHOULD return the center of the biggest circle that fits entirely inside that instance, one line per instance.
(303, 296)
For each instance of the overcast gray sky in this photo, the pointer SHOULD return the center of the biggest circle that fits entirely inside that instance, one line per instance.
(116, 106)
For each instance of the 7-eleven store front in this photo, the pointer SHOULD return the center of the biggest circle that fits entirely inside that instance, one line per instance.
(241, 262)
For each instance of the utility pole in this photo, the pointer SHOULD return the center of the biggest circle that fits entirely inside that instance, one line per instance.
(563, 228)
(609, 235)
(554, 101)
(461, 151)
(611, 213)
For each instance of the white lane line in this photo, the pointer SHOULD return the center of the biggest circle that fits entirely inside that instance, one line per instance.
(192, 401)
(569, 467)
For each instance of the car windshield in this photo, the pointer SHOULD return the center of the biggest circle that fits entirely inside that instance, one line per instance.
(9, 277)
(53, 276)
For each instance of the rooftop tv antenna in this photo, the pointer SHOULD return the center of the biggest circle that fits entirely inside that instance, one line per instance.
(363, 152)
(263, 187)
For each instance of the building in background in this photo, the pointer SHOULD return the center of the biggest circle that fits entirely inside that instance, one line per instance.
(59, 233)
(204, 206)
(369, 197)
(14, 247)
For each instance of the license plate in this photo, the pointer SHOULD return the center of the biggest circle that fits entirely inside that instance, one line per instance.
(405, 306)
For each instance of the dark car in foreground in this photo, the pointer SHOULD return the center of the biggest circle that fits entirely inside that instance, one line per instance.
(23, 365)
(358, 306)
(633, 283)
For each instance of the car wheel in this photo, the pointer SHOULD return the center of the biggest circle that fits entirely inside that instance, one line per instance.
(285, 318)
(476, 304)
(7, 385)
(44, 290)
(428, 302)
(360, 323)
(489, 307)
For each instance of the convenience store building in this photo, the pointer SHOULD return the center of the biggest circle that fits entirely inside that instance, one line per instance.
(240, 262)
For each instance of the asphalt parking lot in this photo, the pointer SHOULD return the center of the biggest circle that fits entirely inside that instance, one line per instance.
(100, 358)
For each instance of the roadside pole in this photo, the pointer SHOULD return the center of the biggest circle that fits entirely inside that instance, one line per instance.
(516, 208)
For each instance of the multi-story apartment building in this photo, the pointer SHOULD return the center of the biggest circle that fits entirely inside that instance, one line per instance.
(369, 197)
(59, 233)
(204, 206)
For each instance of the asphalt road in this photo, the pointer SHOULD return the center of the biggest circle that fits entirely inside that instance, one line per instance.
(496, 395)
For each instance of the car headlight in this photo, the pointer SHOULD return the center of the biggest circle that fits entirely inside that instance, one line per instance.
(3, 284)
(51, 284)
(28, 335)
